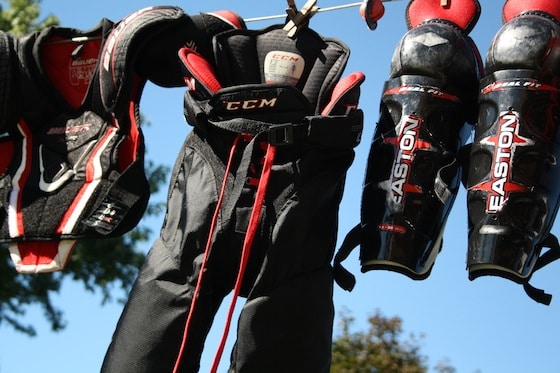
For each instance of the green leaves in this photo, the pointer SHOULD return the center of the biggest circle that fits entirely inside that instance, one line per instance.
(22, 16)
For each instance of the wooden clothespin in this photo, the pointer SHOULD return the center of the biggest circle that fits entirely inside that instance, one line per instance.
(299, 18)
(444, 2)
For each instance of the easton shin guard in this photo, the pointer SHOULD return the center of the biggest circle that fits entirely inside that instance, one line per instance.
(513, 180)
(413, 173)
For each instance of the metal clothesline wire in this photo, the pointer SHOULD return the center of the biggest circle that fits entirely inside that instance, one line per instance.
(327, 9)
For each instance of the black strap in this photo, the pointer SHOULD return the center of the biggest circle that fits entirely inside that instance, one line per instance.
(240, 179)
(347, 281)
(342, 276)
(538, 295)
(342, 132)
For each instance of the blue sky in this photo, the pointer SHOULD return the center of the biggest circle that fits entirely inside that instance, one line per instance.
(488, 325)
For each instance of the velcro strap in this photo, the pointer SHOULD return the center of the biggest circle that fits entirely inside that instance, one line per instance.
(336, 131)
(122, 205)
(277, 110)
(344, 278)
(553, 254)
(462, 13)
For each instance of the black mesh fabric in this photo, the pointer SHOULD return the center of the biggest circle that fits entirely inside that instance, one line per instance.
(241, 55)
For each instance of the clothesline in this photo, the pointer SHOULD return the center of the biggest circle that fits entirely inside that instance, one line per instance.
(327, 9)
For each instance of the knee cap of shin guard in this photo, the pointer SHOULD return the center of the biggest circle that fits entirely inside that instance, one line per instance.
(526, 42)
(438, 51)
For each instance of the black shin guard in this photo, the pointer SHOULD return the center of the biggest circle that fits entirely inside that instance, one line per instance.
(513, 175)
(413, 173)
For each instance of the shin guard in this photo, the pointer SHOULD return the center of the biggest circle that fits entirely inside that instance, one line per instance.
(513, 174)
(413, 173)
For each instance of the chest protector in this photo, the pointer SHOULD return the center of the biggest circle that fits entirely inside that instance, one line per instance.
(73, 156)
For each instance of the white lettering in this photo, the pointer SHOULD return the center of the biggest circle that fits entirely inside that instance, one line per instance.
(408, 136)
(251, 104)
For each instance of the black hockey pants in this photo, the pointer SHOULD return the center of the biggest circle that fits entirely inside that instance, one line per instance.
(288, 281)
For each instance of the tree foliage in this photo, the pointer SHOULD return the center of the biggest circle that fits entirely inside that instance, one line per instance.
(379, 349)
(100, 265)
(23, 16)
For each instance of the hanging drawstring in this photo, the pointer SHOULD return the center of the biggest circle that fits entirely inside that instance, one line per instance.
(246, 249)
(206, 252)
(248, 242)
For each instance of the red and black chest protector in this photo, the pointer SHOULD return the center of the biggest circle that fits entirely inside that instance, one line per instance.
(73, 157)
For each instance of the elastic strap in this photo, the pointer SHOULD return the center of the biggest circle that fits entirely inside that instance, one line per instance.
(550, 256)
(342, 276)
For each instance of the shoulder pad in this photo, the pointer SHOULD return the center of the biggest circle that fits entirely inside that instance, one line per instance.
(121, 49)
(147, 42)
(159, 59)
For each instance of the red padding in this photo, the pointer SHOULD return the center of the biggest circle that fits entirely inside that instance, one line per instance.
(201, 70)
(69, 72)
(372, 11)
(513, 8)
(341, 88)
(463, 13)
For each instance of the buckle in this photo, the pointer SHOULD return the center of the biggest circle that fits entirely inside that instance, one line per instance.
(281, 134)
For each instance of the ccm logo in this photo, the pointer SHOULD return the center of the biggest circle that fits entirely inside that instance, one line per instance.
(250, 104)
